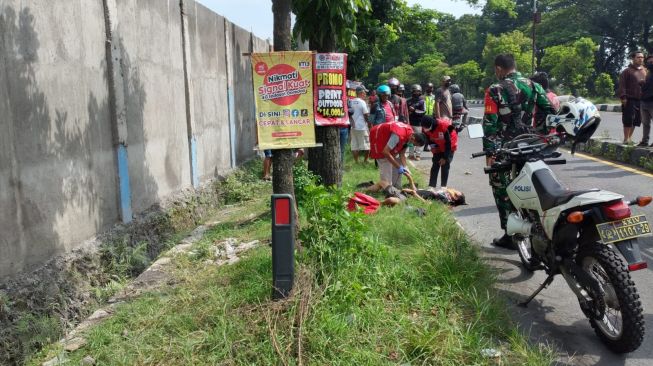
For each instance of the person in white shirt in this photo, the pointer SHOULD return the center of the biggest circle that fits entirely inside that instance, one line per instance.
(360, 131)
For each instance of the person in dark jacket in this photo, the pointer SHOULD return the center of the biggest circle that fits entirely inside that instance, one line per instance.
(646, 102)
(630, 92)
(416, 109)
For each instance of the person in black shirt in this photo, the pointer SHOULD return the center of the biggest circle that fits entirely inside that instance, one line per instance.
(646, 102)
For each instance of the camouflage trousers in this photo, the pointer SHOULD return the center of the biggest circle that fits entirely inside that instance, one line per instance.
(499, 183)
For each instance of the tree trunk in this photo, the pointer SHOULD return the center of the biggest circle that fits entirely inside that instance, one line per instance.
(325, 161)
(282, 160)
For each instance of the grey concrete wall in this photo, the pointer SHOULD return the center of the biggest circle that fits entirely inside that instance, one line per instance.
(149, 32)
(56, 160)
(209, 80)
(243, 93)
(58, 167)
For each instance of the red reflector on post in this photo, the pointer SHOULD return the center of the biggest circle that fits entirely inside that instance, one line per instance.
(617, 210)
(282, 211)
(637, 266)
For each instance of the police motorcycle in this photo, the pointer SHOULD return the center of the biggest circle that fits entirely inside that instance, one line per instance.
(588, 236)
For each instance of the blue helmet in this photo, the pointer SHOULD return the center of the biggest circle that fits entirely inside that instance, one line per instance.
(383, 89)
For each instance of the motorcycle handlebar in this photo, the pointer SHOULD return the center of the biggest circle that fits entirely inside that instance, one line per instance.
(555, 161)
(479, 154)
(498, 167)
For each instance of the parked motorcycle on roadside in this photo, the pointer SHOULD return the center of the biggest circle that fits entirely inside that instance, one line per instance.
(588, 236)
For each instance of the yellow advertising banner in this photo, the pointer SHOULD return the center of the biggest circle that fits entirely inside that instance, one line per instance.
(283, 90)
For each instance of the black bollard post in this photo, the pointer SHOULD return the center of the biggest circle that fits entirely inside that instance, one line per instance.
(283, 245)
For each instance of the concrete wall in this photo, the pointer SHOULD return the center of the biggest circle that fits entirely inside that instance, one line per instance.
(243, 92)
(56, 161)
(59, 161)
(209, 81)
(149, 33)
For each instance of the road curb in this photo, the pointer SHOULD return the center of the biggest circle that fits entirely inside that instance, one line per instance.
(609, 107)
(616, 151)
(610, 149)
(475, 102)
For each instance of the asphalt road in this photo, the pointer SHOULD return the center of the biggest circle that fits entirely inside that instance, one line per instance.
(554, 317)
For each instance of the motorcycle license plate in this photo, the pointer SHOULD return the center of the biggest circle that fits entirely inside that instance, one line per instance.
(628, 228)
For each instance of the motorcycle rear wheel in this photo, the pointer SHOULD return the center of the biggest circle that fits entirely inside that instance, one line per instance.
(525, 250)
(621, 328)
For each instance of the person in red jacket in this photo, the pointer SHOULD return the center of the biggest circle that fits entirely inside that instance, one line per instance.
(388, 145)
(442, 138)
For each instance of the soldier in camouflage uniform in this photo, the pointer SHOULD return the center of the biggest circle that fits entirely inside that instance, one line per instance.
(509, 113)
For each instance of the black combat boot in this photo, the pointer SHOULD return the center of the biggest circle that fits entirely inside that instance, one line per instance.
(504, 242)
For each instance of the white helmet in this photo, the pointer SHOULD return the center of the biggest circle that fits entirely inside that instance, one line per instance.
(578, 118)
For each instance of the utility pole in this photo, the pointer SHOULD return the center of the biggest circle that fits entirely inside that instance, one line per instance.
(536, 19)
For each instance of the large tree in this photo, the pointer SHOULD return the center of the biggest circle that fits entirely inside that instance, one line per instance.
(514, 42)
(282, 160)
(571, 65)
(375, 30)
(329, 25)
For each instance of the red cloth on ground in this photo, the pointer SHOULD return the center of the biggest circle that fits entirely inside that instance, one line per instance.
(367, 203)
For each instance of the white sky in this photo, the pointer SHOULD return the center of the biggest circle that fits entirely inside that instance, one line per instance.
(256, 15)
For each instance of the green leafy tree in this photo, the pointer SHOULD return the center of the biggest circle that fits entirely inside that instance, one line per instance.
(417, 34)
(571, 65)
(461, 40)
(403, 72)
(469, 76)
(329, 25)
(426, 69)
(375, 29)
(514, 42)
(604, 86)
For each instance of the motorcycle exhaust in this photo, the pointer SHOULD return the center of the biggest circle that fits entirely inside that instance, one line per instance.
(517, 225)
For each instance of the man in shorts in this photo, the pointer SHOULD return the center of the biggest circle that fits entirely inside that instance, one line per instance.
(630, 92)
(360, 132)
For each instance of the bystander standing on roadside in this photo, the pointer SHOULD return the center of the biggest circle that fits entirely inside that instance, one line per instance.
(630, 91)
(372, 98)
(383, 111)
(542, 78)
(398, 101)
(646, 103)
(443, 106)
(416, 109)
(360, 133)
(267, 164)
(429, 100)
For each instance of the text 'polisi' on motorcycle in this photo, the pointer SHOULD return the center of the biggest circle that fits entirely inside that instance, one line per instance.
(575, 233)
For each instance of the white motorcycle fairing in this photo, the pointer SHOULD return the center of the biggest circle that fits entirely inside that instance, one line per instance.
(523, 195)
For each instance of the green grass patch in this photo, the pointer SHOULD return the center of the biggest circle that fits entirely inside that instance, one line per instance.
(389, 288)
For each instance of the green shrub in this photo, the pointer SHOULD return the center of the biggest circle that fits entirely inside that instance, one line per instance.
(303, 178)
(333, 236)
(603, 86)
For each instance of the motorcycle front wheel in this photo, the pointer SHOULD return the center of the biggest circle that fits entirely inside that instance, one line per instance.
(621, 328)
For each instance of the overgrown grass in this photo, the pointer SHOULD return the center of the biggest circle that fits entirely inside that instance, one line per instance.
(390, 288)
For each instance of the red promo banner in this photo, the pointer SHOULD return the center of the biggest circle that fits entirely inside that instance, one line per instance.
(330, 90)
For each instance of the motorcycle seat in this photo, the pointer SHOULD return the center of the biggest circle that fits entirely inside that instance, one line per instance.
(550, 192)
